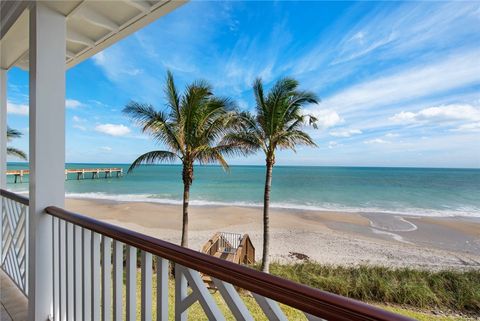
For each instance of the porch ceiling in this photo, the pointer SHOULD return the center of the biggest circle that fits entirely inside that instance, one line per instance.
(91, 26)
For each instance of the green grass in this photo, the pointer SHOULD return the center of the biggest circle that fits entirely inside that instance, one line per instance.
(403, 291)
(457, 291)
(422, 316)
(195, 312)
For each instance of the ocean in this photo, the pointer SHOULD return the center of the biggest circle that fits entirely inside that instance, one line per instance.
(417, 191)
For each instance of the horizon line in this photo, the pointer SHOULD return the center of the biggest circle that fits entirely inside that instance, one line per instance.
(262, 165)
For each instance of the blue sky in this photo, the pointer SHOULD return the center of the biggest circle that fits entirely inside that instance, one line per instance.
(399, 82)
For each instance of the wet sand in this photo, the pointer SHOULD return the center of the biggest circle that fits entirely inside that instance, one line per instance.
(328, 237)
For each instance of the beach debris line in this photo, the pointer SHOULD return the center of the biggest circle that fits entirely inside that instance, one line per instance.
(299, 256)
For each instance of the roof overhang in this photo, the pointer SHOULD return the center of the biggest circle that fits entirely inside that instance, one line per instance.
(91, 26)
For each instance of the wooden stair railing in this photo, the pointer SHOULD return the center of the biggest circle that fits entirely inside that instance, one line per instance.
(246, 251)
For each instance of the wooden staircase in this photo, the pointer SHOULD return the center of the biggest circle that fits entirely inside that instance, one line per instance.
(232, 247)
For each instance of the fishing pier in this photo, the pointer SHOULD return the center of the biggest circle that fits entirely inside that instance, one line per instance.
(80, 173)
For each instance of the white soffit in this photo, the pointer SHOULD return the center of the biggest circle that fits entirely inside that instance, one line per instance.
(92, 25)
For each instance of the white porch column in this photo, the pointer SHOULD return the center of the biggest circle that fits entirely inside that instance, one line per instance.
(47, 149)
(3, 127)
(3, 142)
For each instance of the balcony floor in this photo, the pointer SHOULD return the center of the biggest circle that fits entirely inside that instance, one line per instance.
(13, 304)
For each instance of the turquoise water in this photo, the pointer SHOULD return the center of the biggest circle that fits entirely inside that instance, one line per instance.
(419, 191)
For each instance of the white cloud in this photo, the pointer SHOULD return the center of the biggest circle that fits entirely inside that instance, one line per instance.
(412, 29)
(326, 118)
(443, 113)
(22, 109)
(78, 119)
(333, 144)
(113, 129)
(391, 135)
(72, 103)
(106, 148)
(82, 128)
(376, 141)
(472, 127)
(416, 82)
(17, 109)
(111, 60)
(345, 132)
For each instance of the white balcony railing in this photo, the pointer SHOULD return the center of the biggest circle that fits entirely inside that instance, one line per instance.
(96, 271)
(14, 238)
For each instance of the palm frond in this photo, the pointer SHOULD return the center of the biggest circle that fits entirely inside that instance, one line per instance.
(258, 93)
(290, 139)
(247, 141)
(173, 98)
(312, 121)
(279, 118)
(13, 133)
(194, 101)
(199, 127)
(282, 89)
(216, 125)
(16, 153)
(303, 97)
(207, 154)
(157, 156)
(154, 122)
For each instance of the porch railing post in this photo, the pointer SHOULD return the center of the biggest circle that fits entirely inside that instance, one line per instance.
(47, 47)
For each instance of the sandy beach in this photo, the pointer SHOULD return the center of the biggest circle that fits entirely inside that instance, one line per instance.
(327, 237)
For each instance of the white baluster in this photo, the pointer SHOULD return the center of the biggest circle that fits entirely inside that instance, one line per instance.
(233, 300)
(56, 267)
(131, 283)
(106, 278)
(270, 308)
(95, 294)
(77, 265)
(86, 276)
(146, 303)
(162, 289)
(181, 311)
(117, 280)
(63, 276)
(199, 293)
(69, 272)
(313, 318)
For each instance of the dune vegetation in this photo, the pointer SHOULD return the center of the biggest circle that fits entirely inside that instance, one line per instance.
(448, 291)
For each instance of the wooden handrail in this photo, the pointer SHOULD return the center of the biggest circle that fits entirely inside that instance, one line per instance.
(211, 242)
(15, 197)
(312, 301)
(243, 250)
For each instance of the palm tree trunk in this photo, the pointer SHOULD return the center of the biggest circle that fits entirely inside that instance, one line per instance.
(186, 197)
(266, 218)
(187, 176)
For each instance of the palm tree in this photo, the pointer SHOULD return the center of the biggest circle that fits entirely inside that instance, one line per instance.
(278, 124)
(11, 134)
(190, 129)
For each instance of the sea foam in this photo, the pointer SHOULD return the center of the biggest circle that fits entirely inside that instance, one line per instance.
(152, 198)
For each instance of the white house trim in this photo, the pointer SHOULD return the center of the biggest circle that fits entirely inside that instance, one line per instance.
(47, 149)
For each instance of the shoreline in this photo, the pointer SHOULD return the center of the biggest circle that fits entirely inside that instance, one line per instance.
(329, 237)
(145, 198)
(470, 214)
